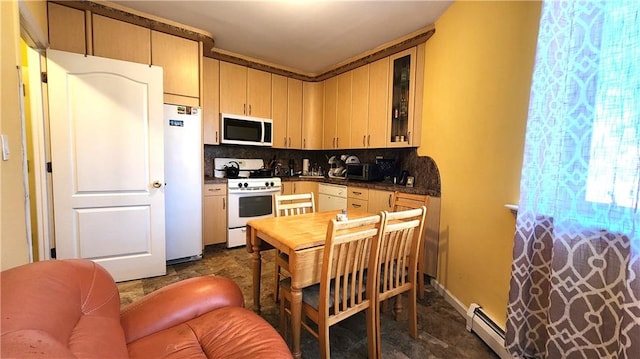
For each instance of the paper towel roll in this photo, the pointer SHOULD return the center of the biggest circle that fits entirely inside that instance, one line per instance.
(305, 166)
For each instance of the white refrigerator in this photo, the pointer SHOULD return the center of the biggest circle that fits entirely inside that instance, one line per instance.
(183, 153)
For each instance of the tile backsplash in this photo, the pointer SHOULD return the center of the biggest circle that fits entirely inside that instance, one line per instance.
(423, 169)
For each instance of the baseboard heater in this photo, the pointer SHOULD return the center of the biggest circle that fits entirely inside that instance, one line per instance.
(479, 322)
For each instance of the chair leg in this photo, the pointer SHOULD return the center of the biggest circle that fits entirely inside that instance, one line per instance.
(421, 270)
(276, 286)
(378, 333)
(323, 339)
(372, 334)
(397, 309)
(283, 317)
(413, 314)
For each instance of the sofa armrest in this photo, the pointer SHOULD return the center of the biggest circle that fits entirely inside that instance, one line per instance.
(177, 303)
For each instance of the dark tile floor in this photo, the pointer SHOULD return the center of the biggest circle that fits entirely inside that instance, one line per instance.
(441, 328)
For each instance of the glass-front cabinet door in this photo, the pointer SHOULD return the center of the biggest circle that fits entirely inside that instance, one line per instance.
(402, 80)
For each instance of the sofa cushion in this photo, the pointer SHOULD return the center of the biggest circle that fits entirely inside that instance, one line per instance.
(229, 332)
(52, 305)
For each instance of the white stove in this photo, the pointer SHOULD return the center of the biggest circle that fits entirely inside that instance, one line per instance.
(239, 185)
(249, 198)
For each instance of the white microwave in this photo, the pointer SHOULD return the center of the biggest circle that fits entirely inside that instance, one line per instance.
(245, 130)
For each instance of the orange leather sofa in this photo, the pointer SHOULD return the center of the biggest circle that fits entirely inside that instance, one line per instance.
(71, 309)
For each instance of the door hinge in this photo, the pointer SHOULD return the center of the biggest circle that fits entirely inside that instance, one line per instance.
(49, 167)
(52, 253)
(43, 77)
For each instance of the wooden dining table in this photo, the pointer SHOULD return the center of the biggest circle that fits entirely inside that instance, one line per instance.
(302, 237)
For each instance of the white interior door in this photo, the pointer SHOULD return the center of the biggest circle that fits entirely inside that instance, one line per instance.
(108, 163)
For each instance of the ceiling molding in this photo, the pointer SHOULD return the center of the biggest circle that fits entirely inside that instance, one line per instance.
(122, 13)
(414, 40)
(118, 12)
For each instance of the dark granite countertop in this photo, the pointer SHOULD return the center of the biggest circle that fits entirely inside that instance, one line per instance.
(385, 186)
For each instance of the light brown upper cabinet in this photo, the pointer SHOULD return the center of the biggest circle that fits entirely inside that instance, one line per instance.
(378, 103)
(211, 101)
(244, 91)
(179, 57)
(286, 110)
(330, 125)
(360, 107)
(312, 110)
(120, 40)
(279, 110)
(343, 110)
(66, 28)
(294, 113)
(402, 78)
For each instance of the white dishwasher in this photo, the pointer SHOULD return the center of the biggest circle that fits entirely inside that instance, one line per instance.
(331, 197)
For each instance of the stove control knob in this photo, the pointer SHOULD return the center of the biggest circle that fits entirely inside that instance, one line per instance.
(246, 185)
(266, 184)
(239, 185)
(272, 184)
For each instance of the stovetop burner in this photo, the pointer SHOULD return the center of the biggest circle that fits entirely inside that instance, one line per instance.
(261, 174)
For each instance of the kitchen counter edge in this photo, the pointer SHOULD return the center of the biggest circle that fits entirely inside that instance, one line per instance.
(373, 185)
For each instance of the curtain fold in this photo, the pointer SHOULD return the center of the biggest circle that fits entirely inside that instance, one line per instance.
(575, 284)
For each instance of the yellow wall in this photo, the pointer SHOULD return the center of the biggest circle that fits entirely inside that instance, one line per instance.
(13, 234)
(478, 72)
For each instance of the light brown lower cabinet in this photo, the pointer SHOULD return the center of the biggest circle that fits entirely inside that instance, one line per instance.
(358, 198)
(298, 187)
(380, 200)
(214, 228)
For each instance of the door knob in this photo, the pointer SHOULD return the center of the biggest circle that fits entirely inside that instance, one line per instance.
(157, 184)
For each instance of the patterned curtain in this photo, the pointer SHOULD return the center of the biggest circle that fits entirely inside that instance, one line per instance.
(575, 284)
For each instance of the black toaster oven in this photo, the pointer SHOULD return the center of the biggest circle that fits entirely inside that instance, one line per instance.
(363, 172)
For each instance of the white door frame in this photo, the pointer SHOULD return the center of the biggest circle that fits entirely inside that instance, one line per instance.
(40, 154)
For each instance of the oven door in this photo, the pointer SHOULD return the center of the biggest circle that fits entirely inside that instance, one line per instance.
(248, 205)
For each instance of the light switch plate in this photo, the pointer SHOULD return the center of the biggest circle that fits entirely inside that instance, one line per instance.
(5, 147)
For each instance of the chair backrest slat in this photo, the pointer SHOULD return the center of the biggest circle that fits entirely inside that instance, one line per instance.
(294, 204)
(351, 247)
(403, 201)
(400, 238)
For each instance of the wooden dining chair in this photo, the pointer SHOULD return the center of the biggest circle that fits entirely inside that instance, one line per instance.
(404, 201)
(347, 285)
(289, 205)
(399, 241)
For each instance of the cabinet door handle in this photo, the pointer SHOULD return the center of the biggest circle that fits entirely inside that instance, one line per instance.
(337, 142)
(368, 140)
(409, 137)
(285, 141)
(355, 205)
(390, 201)
(214, 189)
(364, 140)
(304, 143)
(358, 193)
(216, 136)
(244, 108)
(249, 109)
(224, 203)
(334, 143)
(289, 141)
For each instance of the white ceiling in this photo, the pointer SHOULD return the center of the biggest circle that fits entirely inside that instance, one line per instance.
(304, 35)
